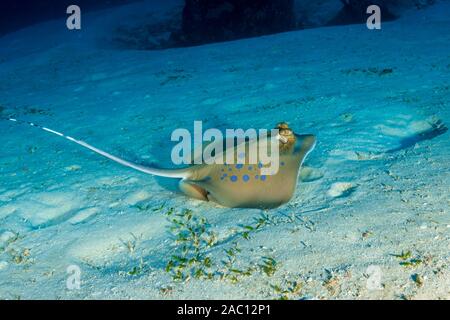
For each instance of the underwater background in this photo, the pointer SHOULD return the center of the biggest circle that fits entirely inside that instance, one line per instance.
(370, 218)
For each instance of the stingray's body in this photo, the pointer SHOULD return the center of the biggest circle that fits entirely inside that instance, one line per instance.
(243, 185)
(239, 185)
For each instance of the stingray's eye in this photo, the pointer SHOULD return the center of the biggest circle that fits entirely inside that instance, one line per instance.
(286, 132)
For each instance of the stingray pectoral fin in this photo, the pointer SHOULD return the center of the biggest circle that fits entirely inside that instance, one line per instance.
(305, 143)
(192, 190)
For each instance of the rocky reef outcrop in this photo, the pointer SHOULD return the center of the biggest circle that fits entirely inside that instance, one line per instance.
(196, 22)
(205, 21)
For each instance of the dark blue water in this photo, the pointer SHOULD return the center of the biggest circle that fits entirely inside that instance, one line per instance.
(16, 14)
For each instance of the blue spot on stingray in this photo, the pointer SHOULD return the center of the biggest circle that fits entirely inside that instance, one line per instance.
(233, 178)
(263, 178)
(250, 168)
(256, 177)
(260, 165)
(282, 163)
(245, 177)
(229, 169)
(239, 166)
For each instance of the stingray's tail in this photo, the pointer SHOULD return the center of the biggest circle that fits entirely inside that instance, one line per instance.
(169, 173)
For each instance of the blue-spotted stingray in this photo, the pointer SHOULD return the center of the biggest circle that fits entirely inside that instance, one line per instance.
(239, 185)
